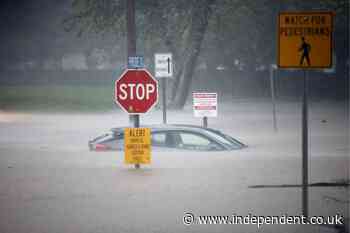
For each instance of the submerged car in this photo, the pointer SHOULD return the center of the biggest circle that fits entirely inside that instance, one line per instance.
(171, 137)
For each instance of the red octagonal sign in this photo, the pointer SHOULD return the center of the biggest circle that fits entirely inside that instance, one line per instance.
(136, 91)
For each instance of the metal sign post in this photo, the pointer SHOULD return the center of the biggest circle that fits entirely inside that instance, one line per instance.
(136, 62)
(305, 41)
(163, 69)
(205, 122)
(204, 106)
(131, 43)
(305, 140)
(163, 81)
(273, 98)
(136, 92)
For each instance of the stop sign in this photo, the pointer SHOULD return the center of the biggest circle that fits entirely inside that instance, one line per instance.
(136, 91)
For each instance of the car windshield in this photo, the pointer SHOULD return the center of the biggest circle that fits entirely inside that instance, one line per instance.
(225, 139)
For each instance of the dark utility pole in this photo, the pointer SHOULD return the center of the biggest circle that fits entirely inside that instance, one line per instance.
(131, 31)
(131, 40)
(305, 137)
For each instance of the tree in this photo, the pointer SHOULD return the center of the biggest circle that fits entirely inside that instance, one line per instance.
(179, 25)
(216, 31)
(193, 37)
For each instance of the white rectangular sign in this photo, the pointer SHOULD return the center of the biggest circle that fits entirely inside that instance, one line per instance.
(163, 65)
(205, 104)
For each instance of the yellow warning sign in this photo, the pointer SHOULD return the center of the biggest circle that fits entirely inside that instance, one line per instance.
(305, 39)
(137, 145)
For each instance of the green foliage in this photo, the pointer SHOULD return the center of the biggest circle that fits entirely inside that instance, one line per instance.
(97, 16)
(238, 29)
(57, 98)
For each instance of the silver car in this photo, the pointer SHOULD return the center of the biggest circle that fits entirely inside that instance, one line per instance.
(171, 137)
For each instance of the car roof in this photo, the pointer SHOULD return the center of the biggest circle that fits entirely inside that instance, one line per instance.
(184, 127)
(170, 127)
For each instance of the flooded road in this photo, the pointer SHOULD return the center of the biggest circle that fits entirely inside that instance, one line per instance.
(51, 182)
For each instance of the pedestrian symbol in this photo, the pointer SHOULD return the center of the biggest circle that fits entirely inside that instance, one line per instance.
(305, 48)
(305, 39)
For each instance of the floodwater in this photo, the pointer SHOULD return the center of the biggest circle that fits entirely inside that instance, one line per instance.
(51, 182)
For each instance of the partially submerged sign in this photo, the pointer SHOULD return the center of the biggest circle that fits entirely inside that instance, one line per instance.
(305, 39)
(137, 145)
(204, 104)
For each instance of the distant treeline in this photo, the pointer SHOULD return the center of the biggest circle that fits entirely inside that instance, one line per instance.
(239, 84)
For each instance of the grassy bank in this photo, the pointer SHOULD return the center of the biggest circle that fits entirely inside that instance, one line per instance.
(57, 98)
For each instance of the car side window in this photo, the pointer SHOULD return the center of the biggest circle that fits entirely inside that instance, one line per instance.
(158, 139)
(191, 141)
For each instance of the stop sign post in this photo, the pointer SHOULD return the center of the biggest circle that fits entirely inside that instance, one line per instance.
(136, 91)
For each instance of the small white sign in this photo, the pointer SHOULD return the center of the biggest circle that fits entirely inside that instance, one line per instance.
(205, 104)
(163, 65)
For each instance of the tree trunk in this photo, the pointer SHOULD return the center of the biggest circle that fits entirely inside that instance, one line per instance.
(183, 78)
